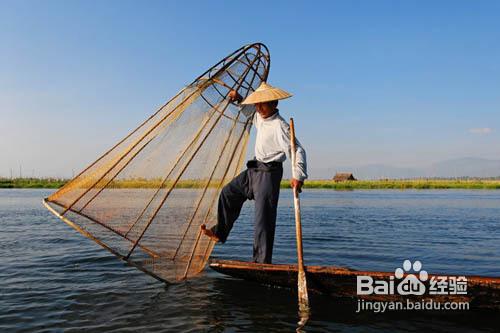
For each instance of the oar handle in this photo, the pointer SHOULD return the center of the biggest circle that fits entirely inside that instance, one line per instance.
(293, 147)
(296, 200)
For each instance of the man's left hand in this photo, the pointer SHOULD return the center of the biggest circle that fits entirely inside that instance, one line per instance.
(295, 183)
(234, 96)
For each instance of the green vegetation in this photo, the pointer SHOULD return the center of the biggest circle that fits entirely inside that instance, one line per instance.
(318, 184)
(402, 184)
(31, 182)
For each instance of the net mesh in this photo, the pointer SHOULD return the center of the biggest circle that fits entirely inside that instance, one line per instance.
(145, 199)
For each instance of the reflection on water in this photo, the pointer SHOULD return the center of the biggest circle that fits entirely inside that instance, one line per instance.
(52, 278)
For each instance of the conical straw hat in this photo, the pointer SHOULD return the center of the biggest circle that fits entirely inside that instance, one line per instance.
(266, 93)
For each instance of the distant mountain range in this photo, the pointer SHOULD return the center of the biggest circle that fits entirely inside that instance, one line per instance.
(460, 167)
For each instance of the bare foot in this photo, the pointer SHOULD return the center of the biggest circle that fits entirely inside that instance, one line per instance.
(209, 233)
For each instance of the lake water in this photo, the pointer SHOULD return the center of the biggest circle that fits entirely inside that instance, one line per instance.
(54, 279)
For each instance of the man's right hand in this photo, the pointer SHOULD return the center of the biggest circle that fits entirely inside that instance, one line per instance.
(234, 96)
(295, 183)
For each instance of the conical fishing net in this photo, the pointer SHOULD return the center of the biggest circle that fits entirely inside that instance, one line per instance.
(145, 199)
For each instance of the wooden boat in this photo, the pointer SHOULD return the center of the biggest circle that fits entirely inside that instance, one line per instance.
(340, 282)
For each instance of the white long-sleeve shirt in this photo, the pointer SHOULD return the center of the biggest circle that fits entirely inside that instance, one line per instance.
(273, 143)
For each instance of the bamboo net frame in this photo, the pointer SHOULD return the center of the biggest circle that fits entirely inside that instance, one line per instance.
(145, 198)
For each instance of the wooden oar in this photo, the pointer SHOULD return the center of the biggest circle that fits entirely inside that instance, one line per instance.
(302, 283)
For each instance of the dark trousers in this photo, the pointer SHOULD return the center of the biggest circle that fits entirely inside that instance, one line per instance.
(259, 182)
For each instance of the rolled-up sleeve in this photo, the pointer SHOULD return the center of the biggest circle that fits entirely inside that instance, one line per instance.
(300, 167)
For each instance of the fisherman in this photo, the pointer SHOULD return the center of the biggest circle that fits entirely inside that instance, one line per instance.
(261, 180)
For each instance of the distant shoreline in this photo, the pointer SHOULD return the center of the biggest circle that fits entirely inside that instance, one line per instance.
(486, 184)
(32, 182)
(402, 184)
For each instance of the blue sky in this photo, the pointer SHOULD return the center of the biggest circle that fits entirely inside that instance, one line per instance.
(403, 83)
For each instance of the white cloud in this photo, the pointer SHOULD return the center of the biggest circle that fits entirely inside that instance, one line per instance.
(480, 130)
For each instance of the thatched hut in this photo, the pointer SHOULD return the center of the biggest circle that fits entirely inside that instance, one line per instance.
(343, 176)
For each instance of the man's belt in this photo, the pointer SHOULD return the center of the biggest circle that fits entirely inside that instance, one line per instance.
(261, 166)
